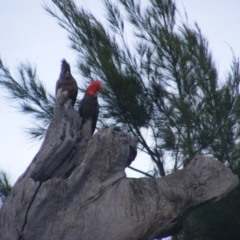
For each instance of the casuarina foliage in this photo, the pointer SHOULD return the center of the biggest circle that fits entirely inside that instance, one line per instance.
(160, 82)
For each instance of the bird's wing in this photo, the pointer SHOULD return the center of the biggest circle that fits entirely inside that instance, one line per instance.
(94, 120)
(97, 111)
(80, 108)
(74, 95)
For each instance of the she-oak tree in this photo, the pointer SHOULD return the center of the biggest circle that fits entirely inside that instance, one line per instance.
(164, 82)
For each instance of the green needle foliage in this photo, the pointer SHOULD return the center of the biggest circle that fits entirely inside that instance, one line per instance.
(30, 95)
(160, 83)
(159, 78)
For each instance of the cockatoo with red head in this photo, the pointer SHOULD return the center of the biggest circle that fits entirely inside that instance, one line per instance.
(89, 107)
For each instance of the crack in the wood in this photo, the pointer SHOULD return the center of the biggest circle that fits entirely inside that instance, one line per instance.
(26, 215)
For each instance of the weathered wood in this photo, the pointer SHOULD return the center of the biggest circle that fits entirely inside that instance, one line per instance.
(76, 188)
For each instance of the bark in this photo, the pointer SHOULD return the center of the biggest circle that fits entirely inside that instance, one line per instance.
(76, 188)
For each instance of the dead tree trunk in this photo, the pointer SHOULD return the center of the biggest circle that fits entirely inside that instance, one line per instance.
(76, 188)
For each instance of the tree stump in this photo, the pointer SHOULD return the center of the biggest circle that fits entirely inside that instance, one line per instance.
(76, 188)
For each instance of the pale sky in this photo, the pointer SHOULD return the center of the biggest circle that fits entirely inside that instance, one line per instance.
(28, 33)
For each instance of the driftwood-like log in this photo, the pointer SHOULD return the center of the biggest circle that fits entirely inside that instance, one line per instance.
(76, 188)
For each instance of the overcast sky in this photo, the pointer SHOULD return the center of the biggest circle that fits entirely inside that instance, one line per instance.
(28, 33)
